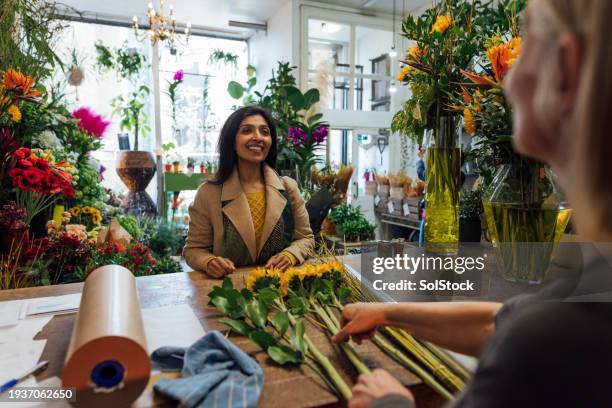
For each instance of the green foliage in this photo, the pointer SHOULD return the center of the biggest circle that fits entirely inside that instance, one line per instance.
(128, 62)
(436, 75)
(227, 58)
(132, 112)
(249, 316)
(470, 205)
(29, 28)
(165, 264)
(351, 222)
(130, 224)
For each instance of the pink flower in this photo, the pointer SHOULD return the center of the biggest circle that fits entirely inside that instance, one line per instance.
(90, 122)
(179, 75)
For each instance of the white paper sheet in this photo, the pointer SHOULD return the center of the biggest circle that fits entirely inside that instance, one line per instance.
(171, 326)
(15, 358)
(9, 313)
(52, 305)
(24, 330)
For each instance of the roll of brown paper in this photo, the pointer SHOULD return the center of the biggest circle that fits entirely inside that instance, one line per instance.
(107, 360)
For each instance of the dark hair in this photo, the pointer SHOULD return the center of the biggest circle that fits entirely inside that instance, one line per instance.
(228, 158)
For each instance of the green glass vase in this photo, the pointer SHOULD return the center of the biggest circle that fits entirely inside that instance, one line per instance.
(526, 219)
(443, 184)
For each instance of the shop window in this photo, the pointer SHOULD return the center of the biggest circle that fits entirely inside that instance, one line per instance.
(352, 59)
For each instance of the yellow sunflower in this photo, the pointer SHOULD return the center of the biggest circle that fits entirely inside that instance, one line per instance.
(14, 113)
(96, 217)
(75, 211)
(87, 210)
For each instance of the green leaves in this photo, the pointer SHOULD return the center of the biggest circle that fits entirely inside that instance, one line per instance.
(235, 89)
(281, 322)
(263, 339)
(297, 337)
(257, 311)
(239, 326)
(228, 300)
(284, 355)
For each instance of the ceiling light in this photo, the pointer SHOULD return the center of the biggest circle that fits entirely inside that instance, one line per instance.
(392, 88)
(393, 53)
(330, 28)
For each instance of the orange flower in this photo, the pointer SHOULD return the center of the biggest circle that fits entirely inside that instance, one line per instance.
(415, 53)
(503, 56)
(469, 121)
(20, 84)
(442, 23)
(401, 76)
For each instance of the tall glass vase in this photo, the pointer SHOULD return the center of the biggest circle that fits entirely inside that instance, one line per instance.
(443, 184)
(526, 218)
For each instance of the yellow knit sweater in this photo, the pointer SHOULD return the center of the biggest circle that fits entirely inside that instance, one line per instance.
(257, 205)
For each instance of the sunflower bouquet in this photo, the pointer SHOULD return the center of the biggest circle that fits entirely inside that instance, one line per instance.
(272, 308)
(86, 215)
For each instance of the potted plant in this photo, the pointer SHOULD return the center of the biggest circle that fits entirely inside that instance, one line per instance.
(470, 212)
(176, 166)
(167, 149)
(203, 169)
(190, 166)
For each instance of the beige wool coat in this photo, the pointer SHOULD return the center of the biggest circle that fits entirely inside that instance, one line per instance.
(221, 224)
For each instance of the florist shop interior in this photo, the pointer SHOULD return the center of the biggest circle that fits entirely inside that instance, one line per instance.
(189, 191)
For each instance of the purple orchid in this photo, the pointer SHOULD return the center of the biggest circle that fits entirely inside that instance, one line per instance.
(179, 75)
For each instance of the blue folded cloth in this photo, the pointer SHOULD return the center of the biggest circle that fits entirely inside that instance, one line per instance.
(214, 373)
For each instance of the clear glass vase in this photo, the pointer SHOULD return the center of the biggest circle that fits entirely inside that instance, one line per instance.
(443, 184)
(526, 219)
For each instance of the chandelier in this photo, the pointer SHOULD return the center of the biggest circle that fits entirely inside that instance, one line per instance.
(161, 27)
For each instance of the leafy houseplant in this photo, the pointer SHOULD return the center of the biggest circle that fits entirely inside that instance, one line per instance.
(126, 61)
(351, 223)
(131, 110)
(288, 105)
(227, 58)
(135, 168)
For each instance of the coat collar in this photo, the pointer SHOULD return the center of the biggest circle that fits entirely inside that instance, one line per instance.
(238, 211)
(232, 188)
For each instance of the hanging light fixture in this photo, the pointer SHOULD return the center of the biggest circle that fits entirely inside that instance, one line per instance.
(393, 52)
(161, 27)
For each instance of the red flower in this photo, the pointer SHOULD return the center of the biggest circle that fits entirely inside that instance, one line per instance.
(138, 260)
(32, 175)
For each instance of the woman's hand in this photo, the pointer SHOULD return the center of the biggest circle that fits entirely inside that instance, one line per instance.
(375, 385)
(359, 321)
(219, 267)
(280, 261)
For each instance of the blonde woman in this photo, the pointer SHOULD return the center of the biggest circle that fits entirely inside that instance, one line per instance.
(547, 354)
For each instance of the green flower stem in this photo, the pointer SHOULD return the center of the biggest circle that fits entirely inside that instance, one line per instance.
(449, 361)
(322, 360)
(401, 358)
(348, 348)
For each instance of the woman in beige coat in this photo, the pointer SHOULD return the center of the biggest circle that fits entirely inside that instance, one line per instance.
(247, 214)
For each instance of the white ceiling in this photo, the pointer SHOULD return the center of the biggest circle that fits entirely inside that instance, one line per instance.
(215, 14)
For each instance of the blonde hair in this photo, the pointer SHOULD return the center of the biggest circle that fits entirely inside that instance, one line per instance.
(589, 129)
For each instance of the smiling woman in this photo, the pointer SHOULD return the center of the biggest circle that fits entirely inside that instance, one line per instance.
(247, 214)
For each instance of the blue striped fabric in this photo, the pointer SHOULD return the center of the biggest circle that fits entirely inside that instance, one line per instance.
(214, 373)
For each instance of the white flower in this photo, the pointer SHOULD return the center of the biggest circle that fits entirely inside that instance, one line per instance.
(48, 140)
(93, 163)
